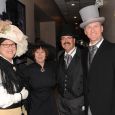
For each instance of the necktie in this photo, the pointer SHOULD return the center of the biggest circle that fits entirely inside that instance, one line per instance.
(92, 51)
(68, 59)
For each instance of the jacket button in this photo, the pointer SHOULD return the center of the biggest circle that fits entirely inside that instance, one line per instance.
(65, 84)
(65, 89)
(65, 80)
(66, 76)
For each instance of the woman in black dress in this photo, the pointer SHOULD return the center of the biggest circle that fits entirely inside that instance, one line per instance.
(41, 78)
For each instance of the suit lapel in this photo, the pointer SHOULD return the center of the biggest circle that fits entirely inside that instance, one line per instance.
(84, 59)
(62, 61)
(99, 53)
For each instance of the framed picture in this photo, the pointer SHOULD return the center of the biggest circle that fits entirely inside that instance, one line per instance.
(21, 16)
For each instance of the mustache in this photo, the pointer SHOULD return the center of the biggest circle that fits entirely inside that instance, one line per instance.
(66, 43)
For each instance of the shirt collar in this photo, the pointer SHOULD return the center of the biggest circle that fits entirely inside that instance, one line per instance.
(71, 52)
(98, 43)
(7, 59)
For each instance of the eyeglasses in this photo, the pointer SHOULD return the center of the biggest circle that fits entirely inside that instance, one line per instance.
(8, 45)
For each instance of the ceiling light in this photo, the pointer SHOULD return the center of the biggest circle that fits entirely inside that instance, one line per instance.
(73, 4)
(75, 17)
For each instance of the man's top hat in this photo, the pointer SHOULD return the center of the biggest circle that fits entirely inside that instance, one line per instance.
(90, 14)
(68, 30)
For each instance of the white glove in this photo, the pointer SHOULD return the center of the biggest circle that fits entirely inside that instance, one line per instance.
(17, 96)
(8, 99)
(24, 93)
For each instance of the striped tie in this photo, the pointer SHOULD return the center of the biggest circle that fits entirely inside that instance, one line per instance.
(92, 51)
(68, 59)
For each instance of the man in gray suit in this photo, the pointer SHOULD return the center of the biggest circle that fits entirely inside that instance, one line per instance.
(100, 64)
(70, 75)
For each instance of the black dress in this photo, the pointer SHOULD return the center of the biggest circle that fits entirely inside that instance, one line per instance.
(42, 101)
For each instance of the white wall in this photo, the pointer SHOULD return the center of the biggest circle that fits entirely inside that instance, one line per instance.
(29, 6)
(2, 6)
(108, 11)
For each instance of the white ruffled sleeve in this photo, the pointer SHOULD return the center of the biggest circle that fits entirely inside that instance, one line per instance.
(8, 99)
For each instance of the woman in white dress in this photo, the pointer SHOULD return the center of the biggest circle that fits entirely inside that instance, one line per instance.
(12, 90)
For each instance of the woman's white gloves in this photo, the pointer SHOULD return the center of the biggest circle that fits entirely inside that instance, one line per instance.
(9, 99)
(17, 96)
(24, 93)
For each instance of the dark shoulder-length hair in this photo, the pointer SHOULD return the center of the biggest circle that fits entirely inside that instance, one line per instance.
(2, 40)
(40, 46)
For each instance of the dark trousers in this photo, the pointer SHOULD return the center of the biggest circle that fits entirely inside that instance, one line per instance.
(70, 106)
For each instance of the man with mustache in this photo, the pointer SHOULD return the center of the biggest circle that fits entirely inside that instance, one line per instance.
(70, 75)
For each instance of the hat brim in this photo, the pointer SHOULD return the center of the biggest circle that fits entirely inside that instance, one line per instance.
(100, 19)
(21, 45)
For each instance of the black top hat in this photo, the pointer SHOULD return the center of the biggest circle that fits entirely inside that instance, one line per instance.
(68, 29)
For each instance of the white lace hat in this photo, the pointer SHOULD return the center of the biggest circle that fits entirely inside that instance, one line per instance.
(13, 33)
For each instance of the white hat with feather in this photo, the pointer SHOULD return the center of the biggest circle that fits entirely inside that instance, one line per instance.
(12, 32)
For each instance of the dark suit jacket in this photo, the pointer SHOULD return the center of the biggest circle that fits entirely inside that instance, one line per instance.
(101, 80)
